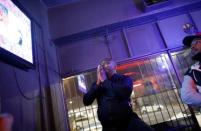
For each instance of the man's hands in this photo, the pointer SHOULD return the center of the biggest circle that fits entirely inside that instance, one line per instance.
(101, 75)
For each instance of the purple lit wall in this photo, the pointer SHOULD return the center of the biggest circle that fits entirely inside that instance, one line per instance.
(140, 33)
(77, 17)
(89, 14)
(20, 90)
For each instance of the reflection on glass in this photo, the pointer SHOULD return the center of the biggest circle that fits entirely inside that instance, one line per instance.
(82, 83)
(182, 61)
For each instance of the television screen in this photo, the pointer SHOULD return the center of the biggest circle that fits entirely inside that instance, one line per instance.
(15, 32)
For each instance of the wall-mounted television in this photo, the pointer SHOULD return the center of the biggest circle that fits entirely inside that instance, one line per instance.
(16, 45)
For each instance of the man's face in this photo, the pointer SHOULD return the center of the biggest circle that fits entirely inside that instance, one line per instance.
(195, 47)
(109, 66)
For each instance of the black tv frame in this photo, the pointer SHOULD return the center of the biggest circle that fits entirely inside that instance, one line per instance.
(12, 59)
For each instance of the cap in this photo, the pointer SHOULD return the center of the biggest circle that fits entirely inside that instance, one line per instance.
(188, 39)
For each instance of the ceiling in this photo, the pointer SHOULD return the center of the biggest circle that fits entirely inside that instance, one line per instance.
(53, 3)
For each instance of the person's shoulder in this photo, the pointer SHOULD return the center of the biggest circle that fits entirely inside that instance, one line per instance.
(194, 69)
(195, 66)
(120, 75)
(123, 76)
(188, 72)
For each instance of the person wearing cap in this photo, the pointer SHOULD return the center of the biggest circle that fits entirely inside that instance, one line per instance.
(112, 92)
(191, 85)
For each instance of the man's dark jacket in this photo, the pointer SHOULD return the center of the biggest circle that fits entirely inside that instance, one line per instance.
(113, 98)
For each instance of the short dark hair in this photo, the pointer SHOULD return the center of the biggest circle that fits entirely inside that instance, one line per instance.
(105, 60)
